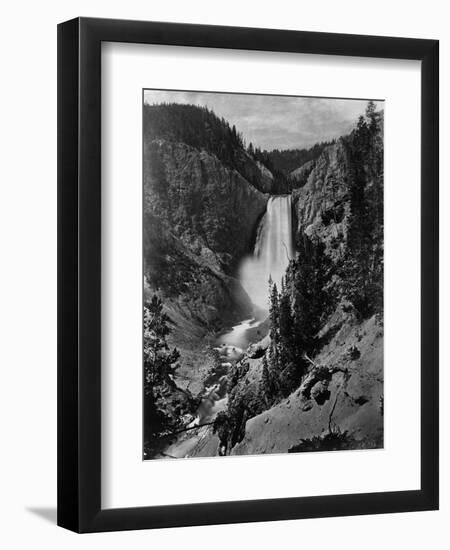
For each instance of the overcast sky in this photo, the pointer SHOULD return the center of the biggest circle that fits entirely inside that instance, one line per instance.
(275, 122)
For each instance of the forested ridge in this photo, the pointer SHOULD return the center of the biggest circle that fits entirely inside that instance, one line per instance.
(287, 160)
(201, 128)
(196, 126)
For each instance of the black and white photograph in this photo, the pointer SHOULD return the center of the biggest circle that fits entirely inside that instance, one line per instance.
(263, 274)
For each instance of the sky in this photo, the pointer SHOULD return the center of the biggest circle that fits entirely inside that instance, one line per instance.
(275, 122)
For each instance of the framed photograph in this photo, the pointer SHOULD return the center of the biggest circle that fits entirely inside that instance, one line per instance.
(247, 276)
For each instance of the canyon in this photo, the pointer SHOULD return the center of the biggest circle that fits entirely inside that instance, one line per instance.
(215, 234)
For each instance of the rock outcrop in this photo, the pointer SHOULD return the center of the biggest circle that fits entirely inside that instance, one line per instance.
(322, 204)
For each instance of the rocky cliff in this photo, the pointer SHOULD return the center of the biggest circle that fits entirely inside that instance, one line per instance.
(322, 205)
(200, 218)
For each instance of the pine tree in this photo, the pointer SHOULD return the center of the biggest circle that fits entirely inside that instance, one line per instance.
(160, 363)
(268, 384)
(311, 299)
(290, 375)
(362, 267)
(274, 314)
(373, 117)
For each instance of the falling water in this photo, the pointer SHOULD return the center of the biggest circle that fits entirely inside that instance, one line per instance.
(273, 250)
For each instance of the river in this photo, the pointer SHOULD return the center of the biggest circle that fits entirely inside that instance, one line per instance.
(231, 346)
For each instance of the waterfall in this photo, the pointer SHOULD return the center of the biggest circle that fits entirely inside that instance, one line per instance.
(273, 250)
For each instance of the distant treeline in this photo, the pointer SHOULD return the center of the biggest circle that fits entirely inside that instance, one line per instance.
(290, 159)
(196, 126)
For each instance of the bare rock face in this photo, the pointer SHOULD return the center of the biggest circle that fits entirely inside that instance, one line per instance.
(322, 204)
(211, 207)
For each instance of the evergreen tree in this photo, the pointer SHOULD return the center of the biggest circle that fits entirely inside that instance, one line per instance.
(160, 364)
(289, 374)
(312, 302)
(269, 389)
(373, 118)
(362, 267)
(274, 314)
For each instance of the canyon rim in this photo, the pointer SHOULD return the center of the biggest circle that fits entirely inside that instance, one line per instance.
(263, 274)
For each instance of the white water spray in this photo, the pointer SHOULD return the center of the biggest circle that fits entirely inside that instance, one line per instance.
(273, 251)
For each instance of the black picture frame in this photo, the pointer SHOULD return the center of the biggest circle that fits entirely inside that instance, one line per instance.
(79, 270)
